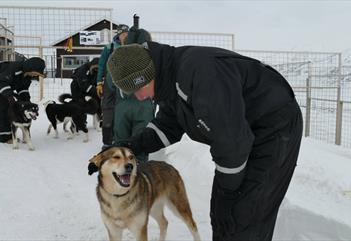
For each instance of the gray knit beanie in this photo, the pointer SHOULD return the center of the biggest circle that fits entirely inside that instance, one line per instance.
(131, 67)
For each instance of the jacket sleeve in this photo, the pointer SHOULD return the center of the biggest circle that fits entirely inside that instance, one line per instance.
(219, 107)
(162, 131)
(23, 90)
(75, 90)
(5, 84)
(102, 64)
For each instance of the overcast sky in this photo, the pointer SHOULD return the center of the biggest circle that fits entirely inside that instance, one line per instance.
(262, 25)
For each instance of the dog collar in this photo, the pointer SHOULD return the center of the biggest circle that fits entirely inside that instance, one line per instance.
(116, 195)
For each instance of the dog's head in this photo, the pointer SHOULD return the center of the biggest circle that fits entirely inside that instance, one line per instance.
(117, 169)
(30, 110)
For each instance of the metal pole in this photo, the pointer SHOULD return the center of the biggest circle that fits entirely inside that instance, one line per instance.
(111, 27)
(308, 101)
(339, 105)
(233, 43)
(41, 79)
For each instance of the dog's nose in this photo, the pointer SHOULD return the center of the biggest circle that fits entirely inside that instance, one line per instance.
(128, 167)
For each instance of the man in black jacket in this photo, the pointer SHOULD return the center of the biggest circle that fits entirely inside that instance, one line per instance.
(245, 110)
(15, 78)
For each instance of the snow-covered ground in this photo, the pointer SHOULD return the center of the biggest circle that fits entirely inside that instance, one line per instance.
(47, 194)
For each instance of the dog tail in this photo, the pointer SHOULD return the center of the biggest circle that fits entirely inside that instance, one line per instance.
(65, 98)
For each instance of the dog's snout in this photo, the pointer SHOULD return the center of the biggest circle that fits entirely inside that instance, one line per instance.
(129, 167)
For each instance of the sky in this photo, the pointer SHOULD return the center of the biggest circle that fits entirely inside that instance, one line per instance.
(257, 25)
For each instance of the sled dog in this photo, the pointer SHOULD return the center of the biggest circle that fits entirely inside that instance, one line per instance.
(129, 192)
(90, 105)
(21, 115)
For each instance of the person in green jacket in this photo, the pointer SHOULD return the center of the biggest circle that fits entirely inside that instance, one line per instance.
(130, 116)
(104, 87)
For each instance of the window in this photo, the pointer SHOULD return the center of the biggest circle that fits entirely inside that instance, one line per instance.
(73, 62)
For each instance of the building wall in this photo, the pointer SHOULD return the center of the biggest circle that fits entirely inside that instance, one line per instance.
(60, 53)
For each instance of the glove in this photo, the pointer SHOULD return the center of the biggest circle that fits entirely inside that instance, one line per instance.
(132, 145)
(223, 206)
(99, 89)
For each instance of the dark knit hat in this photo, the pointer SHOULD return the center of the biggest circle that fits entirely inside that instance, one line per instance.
(122, 28)
(34, 64)
(131, 67)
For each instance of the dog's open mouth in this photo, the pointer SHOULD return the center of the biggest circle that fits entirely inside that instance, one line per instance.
(123, 180)
(33, 116)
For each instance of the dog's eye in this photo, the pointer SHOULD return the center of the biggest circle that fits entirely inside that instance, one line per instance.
(131, 157)
(117, 157)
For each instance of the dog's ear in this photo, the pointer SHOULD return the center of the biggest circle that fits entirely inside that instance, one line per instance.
(95, 162)
(92, 168)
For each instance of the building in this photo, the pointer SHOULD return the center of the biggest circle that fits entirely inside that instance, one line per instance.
(6, 36)
(94, 35)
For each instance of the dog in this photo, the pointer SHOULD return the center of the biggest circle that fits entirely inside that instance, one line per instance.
(89, 105)
(21, 114)
(63, 113)
(129, 192)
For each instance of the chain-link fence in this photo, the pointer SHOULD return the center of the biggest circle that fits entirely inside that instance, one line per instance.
(346, 106)
(322, 85)
(225, 41)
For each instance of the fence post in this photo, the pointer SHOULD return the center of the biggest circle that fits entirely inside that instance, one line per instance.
(339, 105)
(111, 27)
(233, 43)
(41, 79)
(308, 101)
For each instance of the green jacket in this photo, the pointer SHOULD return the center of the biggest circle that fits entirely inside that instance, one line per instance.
(102, 70)
(104, 74)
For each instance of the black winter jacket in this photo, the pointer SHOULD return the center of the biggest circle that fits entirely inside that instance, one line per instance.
(83, 81)
(11, 79)
(214, 96)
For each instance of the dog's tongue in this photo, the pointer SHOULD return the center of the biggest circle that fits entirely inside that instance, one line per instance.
(125, 179)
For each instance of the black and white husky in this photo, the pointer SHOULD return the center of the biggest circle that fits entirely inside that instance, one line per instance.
(60, 113)
(89, 104)
(21, 114)
(72, 111)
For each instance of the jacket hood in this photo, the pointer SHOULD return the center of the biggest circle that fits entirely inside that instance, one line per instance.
(34, 64)
(165, 66)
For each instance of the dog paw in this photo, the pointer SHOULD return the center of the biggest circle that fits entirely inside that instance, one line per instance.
(15, 147)
(32, 148)
(85, 140)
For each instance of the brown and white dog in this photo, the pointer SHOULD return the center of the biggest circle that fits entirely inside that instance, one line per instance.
(128, 193)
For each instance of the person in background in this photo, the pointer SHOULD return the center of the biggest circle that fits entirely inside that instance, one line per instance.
(130, 115)
(15, 79)
(243, 109)
(104, 87)
(84, 80)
